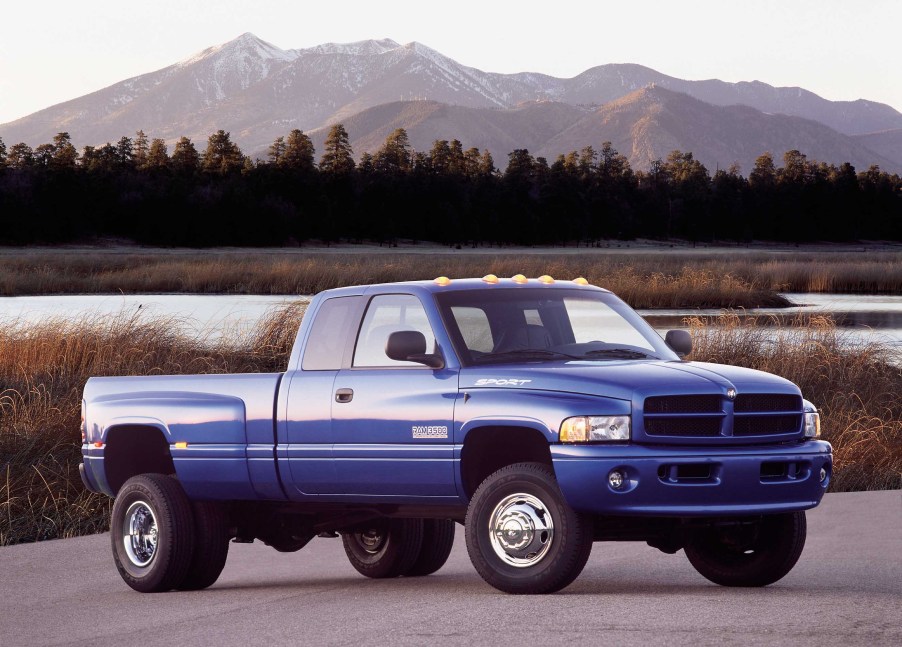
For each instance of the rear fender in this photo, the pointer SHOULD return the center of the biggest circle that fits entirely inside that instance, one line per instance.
(205, 433)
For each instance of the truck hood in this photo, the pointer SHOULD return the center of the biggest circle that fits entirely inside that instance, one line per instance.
(626, 380)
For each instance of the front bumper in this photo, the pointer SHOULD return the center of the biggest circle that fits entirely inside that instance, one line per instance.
(694, 481)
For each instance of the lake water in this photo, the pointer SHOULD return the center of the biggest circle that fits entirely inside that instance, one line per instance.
(864, 316)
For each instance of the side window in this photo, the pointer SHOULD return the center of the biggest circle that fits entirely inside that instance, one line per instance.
(386, 314)
(326, 342)
(474, 327)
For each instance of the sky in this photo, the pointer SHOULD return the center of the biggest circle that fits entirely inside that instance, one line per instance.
(55, 50)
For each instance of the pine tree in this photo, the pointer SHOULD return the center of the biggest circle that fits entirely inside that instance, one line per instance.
(456, 163)
(140, 150)
(764, 174)
(43, 154)
(338, 157)
(299, 152)
(125, 155)
(2, 154)
(394, 156)
(158, 155)
(222, 155)
(486, 163)
(366, 164)
(276, 151)
(184, 156)
(440, 156)
(20, 156)
(63, 153)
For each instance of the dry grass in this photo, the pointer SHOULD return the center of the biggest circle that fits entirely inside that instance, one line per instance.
(855, 386)
(308, 273)
(43, 369)
(645, 279)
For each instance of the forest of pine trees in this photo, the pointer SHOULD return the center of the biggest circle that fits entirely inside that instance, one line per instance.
(136, 189)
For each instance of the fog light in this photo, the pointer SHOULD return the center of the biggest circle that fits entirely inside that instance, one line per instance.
(823, 474)
(616, 479)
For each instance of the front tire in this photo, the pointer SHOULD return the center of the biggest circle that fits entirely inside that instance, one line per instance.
(152, 533)
(751, 555)
(522, 536)
(384, 548)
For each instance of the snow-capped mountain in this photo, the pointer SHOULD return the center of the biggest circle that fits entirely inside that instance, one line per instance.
(258, 92)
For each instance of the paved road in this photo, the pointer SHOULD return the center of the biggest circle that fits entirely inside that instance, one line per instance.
(845, 590)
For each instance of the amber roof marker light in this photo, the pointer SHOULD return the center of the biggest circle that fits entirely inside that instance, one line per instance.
(580, 281)
(519, 278)
(547, 280)
(490, 278)
(442, 280)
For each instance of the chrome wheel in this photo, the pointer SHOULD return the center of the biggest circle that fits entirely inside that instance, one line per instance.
(139, 534)
(371, 541)
(521, 530)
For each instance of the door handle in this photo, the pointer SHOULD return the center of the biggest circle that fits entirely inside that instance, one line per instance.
(344, 395)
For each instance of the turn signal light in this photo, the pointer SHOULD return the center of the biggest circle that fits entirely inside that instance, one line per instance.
(98, 444)
(490, 278)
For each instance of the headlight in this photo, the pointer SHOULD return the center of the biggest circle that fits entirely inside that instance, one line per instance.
(589, 429)
(812, 428)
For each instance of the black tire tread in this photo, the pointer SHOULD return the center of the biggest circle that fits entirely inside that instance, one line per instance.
(405, 541)
(762, 569)
(571, 556)
(174, 519)
(211, 548)
(438, 540)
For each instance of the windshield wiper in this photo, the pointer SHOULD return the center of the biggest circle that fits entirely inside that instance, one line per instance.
(620, 353)
(523, 353)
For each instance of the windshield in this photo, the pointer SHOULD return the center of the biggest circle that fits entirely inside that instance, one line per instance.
(517, 325)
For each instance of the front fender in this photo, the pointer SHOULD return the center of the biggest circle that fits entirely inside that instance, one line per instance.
(543, 411)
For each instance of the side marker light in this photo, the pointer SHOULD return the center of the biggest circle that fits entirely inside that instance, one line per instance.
(181, 444)
(98, 444)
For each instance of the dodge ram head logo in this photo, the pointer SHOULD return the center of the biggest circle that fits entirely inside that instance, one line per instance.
(493, 381)
(731, 393)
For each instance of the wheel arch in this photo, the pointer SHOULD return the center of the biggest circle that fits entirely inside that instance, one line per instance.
(133, 449)
(489, 447)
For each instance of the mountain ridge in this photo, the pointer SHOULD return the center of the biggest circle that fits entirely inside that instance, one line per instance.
(259, 91)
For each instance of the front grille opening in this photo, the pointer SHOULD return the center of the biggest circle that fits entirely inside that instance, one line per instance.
(683, 404)
(773, 470)
(766, 425)
(686, 472)
(682, 426)
(762, 402)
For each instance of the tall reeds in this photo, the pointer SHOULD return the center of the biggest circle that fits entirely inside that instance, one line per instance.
(43, 369)
(646, 280)
(855, 385)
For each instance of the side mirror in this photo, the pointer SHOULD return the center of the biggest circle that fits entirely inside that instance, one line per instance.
(410, 346)
(680, 342)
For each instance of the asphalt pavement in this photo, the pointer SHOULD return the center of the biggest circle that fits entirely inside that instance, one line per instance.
(845, 590)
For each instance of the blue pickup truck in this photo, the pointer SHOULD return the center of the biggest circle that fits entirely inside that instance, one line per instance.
(543, 415)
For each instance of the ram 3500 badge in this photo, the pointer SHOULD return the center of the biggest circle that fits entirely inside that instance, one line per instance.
(542, 415)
